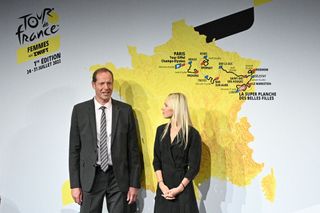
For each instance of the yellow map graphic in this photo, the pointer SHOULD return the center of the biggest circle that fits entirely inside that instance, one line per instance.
(269, 185)
(66, 193)
(214, 109)
(212, 80)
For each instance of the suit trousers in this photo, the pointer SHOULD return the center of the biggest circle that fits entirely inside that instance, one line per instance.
(104, 186)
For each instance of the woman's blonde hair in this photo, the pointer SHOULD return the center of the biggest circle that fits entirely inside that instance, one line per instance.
(178, 103)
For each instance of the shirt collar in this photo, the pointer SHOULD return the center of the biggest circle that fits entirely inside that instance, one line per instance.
(97, 105)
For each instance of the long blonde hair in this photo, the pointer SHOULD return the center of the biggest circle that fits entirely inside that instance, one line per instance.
(178, 103)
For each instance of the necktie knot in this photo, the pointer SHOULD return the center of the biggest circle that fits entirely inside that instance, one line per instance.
(102, 108)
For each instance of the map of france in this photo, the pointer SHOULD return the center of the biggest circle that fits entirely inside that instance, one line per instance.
(212, 79)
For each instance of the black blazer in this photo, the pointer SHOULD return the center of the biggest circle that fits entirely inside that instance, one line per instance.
(174, 158)
(176, 163)
(83, 146)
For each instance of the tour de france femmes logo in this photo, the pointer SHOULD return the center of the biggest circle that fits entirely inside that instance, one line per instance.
(37, 26)
(37, 34)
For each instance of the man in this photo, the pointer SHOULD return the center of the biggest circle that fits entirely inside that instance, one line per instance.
(104, 158)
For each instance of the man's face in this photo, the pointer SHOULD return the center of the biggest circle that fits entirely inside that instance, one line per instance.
(103, 87)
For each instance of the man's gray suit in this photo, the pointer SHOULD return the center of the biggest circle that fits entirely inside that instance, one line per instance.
(83, 146)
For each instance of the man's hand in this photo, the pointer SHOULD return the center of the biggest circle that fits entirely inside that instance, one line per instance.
(132, 195)
(76, 194)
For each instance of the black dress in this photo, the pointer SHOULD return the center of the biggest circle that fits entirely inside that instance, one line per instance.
(177, 163)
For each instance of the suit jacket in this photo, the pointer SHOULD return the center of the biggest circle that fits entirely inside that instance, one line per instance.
(83, 146)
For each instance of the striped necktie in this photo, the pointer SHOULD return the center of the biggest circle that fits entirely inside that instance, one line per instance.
(104, 156)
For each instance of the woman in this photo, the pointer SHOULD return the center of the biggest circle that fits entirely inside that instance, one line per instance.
(177, 154)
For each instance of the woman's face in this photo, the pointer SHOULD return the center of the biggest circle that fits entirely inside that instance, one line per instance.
(167, 111)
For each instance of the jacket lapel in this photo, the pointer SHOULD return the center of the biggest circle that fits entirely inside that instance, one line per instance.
(115, 116)
(169, 146)
(92, 121)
